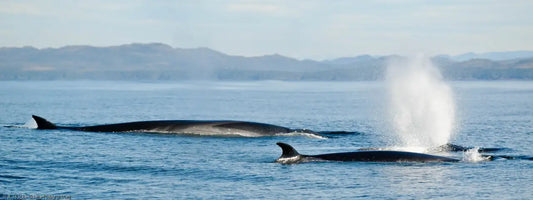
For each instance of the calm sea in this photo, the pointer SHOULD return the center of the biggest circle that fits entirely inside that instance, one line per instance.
(85, 165)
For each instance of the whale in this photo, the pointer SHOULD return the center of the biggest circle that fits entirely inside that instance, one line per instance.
(192, 127)
(448, 147)
(507, 157)
(458, 148)
(291, 156)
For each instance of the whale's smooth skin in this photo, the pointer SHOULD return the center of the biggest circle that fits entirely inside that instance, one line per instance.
(291, 156)
(452, 148)
(191, 127)
(456, 148)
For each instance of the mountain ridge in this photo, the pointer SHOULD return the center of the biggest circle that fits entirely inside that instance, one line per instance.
(158, 61)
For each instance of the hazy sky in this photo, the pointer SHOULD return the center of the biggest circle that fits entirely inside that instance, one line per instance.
(301, 29)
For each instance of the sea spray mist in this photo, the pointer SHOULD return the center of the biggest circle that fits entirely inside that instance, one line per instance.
(421, 107)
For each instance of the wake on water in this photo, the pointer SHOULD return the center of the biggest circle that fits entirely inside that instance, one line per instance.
(30, 124)
(420, 104)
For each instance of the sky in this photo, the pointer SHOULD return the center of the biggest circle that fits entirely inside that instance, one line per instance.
(303, 29)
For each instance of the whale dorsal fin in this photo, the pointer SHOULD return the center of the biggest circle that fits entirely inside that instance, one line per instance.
(288, 150)
(289, 154)
(43, 123)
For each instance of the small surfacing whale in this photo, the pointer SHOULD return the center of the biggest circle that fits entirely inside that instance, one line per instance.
(452, 148)
(291, 156)
(191, 127)
(457, 148)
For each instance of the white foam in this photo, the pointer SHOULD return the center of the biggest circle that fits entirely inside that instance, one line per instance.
(473, 155)
(290, 160)
(30, 124)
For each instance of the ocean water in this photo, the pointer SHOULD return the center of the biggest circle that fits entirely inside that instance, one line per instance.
(84, 165)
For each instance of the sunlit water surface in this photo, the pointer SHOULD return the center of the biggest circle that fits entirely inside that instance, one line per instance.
(144, 166)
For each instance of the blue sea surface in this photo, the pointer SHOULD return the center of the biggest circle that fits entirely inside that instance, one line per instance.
(87, 165)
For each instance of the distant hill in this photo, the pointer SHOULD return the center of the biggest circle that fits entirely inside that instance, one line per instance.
(161, 62)
(496, 56)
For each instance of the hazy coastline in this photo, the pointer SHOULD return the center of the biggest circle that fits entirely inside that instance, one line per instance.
(157, 61)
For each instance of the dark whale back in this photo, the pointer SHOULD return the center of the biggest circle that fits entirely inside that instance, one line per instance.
(291, 156)
(384, 156)
(179, 125)
(454, 147)
(43, 123)
(220, 127)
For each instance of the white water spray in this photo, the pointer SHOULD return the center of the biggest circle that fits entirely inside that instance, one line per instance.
(473, 155)
(421, 104)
